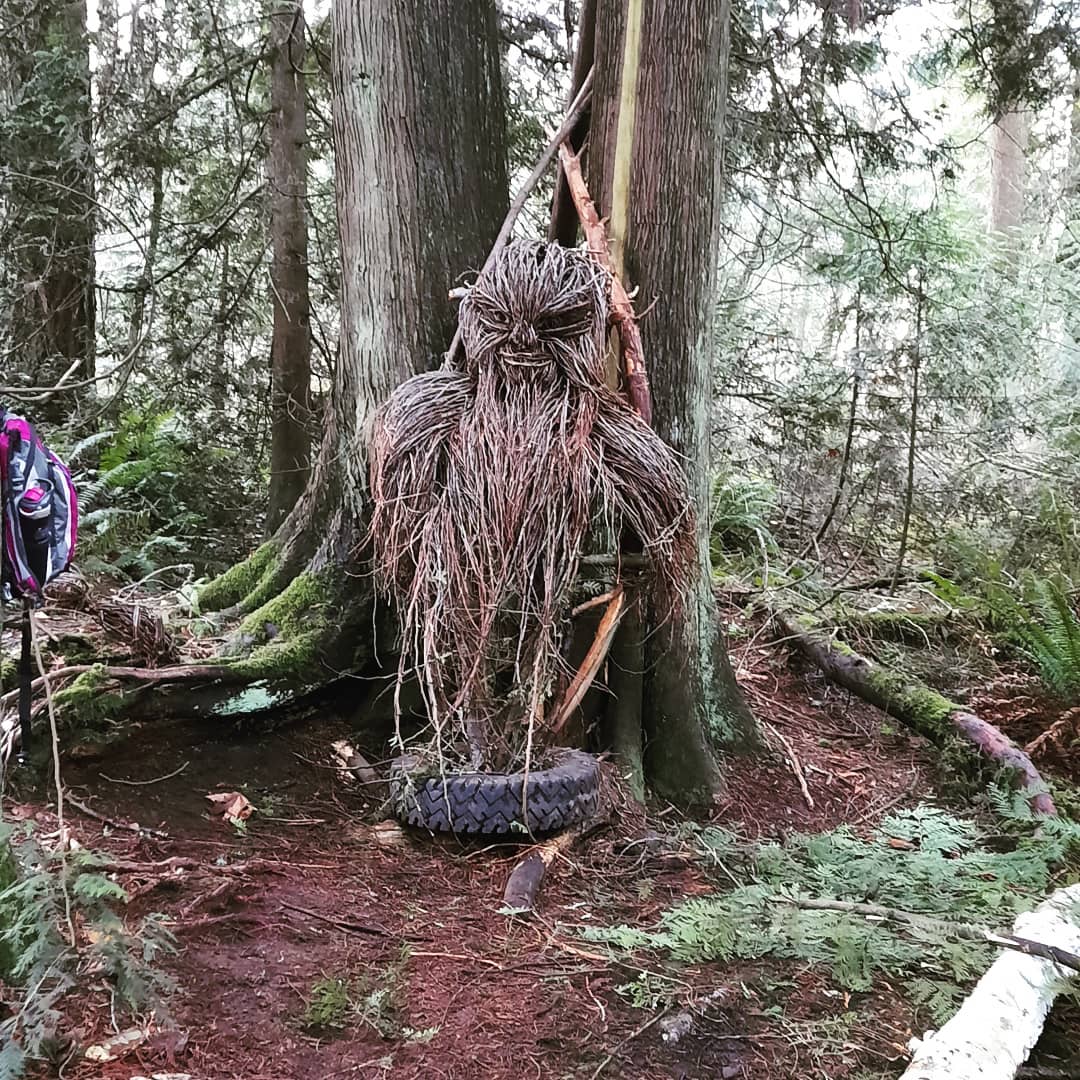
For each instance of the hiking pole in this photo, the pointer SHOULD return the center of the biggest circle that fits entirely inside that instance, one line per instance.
(25, 679)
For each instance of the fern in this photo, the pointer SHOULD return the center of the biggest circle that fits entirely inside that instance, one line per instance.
(943, 872)
(739, 515)
(145, 504)
(76, 454)
(939, 999)
(949, 592)
(35, 955)
(1053, 641)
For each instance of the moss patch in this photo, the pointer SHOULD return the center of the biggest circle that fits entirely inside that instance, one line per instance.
(289, 633)
(90, 701)
(299, 606)
(294, 660)
(242, 580)
(926, 710)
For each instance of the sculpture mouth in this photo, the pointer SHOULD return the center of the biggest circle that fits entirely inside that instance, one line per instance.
(525, 359)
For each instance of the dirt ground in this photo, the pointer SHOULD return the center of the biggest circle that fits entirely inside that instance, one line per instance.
(309, 892)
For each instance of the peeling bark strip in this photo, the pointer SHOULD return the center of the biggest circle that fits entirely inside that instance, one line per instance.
(622, 310)
(591, 664)
(1001, 1021)
(921, 708)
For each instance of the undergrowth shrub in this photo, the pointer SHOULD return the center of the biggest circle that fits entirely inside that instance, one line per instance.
(941, 870)
(152, 495)
(740, 513)
(40, 896)
(1037, 615)
(1053, 638)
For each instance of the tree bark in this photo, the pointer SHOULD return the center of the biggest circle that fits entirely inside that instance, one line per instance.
(1008, 153)
(563, 228)
(290, 349)
(49, 246)
(219, 377)
(419, 145)
(659, 181)
(913, 438)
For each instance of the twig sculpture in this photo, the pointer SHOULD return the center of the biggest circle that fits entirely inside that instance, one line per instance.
(487, 482)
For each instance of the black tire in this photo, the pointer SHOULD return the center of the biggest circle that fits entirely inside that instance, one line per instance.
(566, 793)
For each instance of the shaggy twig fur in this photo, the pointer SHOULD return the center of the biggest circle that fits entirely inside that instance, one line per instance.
(488, 481)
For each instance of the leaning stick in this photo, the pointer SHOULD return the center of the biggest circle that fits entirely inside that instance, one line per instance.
(598, 650)
(622, 310)
(577, 107)
(637, 390)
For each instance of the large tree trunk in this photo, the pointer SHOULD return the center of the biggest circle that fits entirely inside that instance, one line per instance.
(1008, 160)
(290, 350)
(655, 168)
(49, 239)
(419, 147)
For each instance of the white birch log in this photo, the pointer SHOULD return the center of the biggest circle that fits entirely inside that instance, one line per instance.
(996, 1028)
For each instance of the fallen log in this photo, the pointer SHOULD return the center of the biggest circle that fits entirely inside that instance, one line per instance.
(920, 708)
(994, 1031)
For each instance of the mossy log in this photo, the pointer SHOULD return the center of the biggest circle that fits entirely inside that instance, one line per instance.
(292, 645)
(920, 708)
(916, 627)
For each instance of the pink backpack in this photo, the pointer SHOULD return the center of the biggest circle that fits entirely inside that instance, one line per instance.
(40, 514)
(39, 517)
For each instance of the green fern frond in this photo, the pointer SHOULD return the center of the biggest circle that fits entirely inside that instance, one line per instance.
(1052, 639)
(943, 872)
(35, 956)
(84, 446)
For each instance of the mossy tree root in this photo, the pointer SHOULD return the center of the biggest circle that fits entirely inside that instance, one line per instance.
(920, 708)
(299, 641)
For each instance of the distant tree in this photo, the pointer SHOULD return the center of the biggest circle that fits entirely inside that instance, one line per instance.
(290, 349)
(49, 219)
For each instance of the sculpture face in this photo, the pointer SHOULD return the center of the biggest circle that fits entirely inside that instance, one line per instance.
(539, 313)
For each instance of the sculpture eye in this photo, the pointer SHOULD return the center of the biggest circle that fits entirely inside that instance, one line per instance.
(574, 320)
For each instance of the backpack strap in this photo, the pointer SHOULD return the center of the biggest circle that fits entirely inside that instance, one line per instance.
(25, 680)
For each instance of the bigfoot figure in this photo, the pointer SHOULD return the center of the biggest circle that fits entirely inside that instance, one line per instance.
(487, 482)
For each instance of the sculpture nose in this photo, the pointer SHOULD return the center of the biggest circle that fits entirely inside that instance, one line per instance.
(523, 336)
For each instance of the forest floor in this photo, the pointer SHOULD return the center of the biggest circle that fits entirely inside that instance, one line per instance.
(399, 938)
